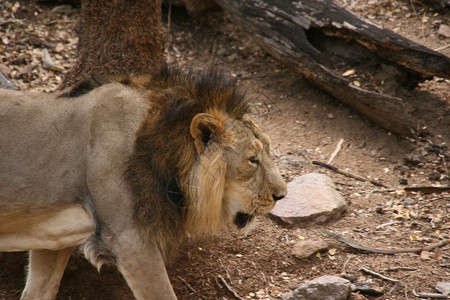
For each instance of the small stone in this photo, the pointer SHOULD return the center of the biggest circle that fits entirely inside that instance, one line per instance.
(326, 141)
(301, 152)
(379, 210)
(232, 57)
(403, 181)
(424, 255)
(444, 30)
(407, 201)
(443, 287)
(433, 176)
(412, 159)
(5, 69)
(306, 248)
(5, 83)
(260, 294)
(221, 51)
(330, 116)
(325, 287)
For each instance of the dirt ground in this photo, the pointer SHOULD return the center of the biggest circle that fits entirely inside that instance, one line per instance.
(305, 124)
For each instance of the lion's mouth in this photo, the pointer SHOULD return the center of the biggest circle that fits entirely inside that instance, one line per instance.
(242, 219)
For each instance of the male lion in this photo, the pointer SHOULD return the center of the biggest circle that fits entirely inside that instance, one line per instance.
(128, 170)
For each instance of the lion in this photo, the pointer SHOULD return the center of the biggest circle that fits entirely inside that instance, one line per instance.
(128, 171)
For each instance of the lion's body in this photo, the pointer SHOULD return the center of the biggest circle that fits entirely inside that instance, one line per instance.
(49, 151)
(128, 170)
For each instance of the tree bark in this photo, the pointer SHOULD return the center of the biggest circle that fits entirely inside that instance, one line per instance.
(118, 37)
(323, 42)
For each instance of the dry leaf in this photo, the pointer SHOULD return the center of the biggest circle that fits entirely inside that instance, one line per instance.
(48, 63)
(349, 72)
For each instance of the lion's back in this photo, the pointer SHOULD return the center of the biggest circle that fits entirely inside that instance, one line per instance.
(45, 140)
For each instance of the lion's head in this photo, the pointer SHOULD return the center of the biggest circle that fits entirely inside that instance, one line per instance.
(235, 170)
(199, 165)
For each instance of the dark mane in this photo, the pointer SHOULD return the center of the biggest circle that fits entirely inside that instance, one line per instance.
(202, 90)
(164, 148)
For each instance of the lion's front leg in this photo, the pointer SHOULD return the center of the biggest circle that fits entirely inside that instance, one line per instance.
(143, 268)
(45, 270)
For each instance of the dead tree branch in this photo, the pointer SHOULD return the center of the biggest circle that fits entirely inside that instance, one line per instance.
(323, 41)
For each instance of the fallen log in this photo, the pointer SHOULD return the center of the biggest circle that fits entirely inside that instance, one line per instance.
(363, 65)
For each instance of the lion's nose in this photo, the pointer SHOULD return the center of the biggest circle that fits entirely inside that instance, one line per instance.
(279, 197)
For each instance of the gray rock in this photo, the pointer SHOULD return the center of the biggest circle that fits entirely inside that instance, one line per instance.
(444, 30)
(291, 161)
(311, 198)
(306, 248)
(443, 287)
(5, 83)
(221, 51)
(327, 287)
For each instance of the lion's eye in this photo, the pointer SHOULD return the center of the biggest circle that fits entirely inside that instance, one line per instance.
(254, 160)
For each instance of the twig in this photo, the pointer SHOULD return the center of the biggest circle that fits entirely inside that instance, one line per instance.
(376, 191)
(357, 177)
(442, 48)
(444, 163)
(430, 295)
(344, 183)
(427, 189)
(387, 224)
(236, 295)
(189, 287)
(169, 16)
(360, 247)
(336, 151)
(400, 269)
(213, 53)
(344, 267)
(413, 8)
(365, 270)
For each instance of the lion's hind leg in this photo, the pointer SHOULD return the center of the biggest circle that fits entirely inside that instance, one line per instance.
(45, 270)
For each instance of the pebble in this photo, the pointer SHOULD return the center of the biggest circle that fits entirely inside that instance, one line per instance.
(434, 176)
(221, 51)
(443, 287)
(403, 181)
(444, 30)
(306, 248)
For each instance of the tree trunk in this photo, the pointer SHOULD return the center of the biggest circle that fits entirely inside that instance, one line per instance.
(359, 63)
(118, 37)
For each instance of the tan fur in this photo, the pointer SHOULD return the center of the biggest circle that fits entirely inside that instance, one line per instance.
(129, 170)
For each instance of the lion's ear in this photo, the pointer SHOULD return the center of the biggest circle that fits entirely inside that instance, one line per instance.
(204, 128)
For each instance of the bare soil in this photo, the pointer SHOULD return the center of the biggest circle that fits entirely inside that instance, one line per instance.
(305, 124)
